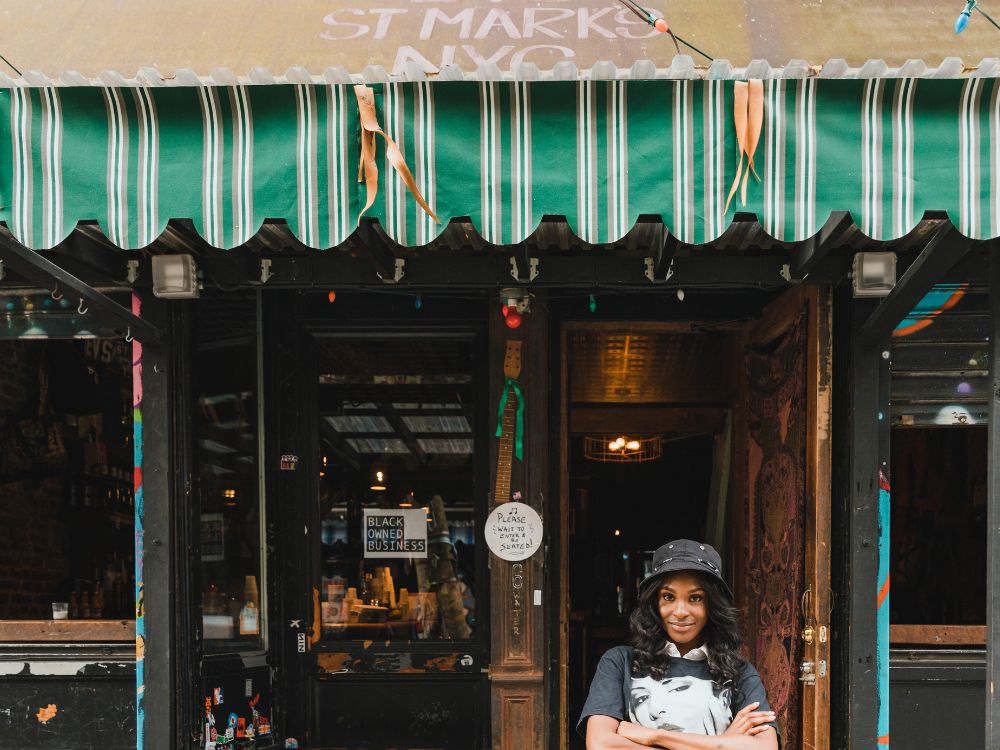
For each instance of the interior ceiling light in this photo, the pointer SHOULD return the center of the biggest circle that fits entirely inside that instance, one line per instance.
(623, 449)
(378, 481)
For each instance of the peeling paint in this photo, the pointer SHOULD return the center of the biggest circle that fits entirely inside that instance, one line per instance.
(47, 713)
(61, 668)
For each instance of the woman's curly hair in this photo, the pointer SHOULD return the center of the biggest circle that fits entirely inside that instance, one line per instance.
(722, 635)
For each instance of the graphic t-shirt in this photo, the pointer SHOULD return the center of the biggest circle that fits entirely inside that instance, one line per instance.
(686, 700)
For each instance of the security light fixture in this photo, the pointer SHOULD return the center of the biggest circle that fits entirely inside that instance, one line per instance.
(873, 274)
(175, 277)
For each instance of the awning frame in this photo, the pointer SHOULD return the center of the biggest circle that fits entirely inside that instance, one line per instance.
(37, 269)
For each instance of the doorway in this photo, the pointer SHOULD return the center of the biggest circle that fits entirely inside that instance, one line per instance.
(648, 410)
(739, 414)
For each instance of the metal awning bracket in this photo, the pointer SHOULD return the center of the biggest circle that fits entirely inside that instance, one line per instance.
(265, 270)
(786, 272)
(133, 271)
(651, 271)
(399, 271)
(515, 272)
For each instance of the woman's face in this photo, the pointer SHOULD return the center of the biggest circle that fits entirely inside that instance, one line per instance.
(683, 610)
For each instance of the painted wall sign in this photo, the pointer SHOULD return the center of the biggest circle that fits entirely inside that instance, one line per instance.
(432, 33)
(513, 531)
(397, 532)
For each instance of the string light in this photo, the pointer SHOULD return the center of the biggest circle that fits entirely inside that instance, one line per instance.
(331, 297)
(418, 302)
(963, 18)
(661, 25)
(511, 317)
(592, 304)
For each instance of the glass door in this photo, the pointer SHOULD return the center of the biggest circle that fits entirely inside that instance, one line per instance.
(399, 575)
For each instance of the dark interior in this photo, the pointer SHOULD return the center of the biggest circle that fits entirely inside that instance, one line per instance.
(620, 511)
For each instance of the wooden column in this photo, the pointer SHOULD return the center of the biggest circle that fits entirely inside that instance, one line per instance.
(517, 673)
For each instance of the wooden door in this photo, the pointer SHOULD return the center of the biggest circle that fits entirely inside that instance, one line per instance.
(781, 549)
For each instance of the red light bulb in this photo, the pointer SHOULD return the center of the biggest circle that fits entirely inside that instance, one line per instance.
(331, 297)
(511, 316)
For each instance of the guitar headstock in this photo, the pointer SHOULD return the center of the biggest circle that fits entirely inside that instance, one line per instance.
(512, 360)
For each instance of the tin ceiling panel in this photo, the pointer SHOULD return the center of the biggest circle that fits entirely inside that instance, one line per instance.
(635, 367)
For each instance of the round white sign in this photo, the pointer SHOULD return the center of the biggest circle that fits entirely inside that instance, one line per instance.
(513, 531)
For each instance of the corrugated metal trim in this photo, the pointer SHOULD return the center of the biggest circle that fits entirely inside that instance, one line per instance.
(552, 235)
(682, 67)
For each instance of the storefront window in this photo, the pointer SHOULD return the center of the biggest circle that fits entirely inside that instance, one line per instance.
(66, 501)
(226, 433)
(397, 495)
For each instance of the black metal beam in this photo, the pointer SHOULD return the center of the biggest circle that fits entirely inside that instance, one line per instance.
(664, 254)
(865, 374)
(993, 511)
(403, 431)
(812, 252)
(378, 247)
(39, 270)
(335, 269)
(338, 444)
(83, 248)
(156, 521)
(943, 250)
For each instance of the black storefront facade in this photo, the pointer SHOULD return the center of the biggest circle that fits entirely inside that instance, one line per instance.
(269, 405)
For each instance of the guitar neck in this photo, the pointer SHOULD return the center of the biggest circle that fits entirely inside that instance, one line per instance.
(505, 451)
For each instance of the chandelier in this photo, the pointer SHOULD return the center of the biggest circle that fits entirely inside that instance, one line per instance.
(622, 449)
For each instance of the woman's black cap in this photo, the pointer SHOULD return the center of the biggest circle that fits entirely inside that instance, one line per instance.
(684, 554)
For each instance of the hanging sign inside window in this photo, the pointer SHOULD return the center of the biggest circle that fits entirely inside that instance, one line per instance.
(513, 531)
(396, 532)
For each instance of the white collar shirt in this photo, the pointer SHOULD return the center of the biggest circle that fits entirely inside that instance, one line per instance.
(695, 654)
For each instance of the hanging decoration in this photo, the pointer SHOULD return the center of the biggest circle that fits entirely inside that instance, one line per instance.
(748, 114)
(622, 449)
(963, 18)
(367, 168)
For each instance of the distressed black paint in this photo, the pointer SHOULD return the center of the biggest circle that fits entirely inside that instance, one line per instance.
(89, 711)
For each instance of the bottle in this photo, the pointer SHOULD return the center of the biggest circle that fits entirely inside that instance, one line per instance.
(250, 613)
(365, 595)
(85, 612)
(249, 619)
(97, 603)
(74, 609)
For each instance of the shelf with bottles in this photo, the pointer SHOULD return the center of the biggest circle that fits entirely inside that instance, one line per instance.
(232, 617)
(109, 593)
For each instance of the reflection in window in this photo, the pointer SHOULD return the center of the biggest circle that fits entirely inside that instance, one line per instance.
(938, 526)
(397, 489)
(225, 430)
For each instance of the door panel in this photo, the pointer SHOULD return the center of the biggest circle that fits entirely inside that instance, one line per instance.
(784, 530)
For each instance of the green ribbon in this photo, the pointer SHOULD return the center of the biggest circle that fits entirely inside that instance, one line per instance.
(519, 429)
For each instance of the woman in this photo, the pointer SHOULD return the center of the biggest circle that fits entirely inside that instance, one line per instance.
(680, 683)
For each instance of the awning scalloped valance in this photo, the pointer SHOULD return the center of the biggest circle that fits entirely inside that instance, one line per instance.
(503, 153)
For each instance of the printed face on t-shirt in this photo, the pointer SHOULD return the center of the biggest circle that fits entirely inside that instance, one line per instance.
(680, 704)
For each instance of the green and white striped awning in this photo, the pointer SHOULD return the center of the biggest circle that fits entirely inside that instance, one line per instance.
(502, 153)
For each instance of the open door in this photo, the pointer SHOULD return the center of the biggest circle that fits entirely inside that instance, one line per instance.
(782, 478)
